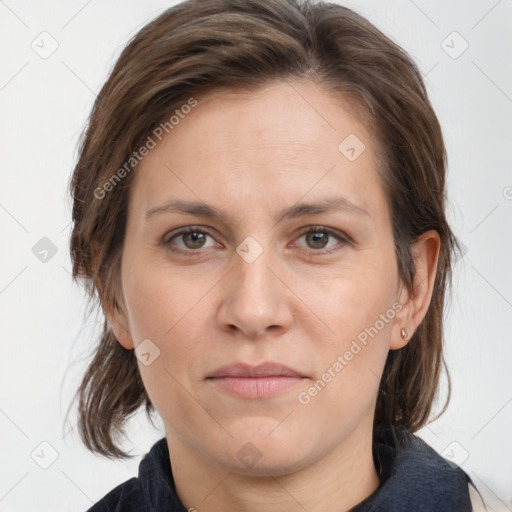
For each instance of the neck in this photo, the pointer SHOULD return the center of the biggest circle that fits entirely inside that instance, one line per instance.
(334, 483)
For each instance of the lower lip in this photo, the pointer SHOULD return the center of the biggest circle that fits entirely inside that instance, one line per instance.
(255, 387)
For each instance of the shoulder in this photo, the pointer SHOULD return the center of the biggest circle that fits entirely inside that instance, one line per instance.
(414, 476)
(154, 484)
(126, 497)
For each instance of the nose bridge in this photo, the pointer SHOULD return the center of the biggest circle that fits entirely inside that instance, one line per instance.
(255, 297)
(253, 279)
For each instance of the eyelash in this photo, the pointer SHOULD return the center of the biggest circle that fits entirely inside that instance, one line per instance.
(344, 239)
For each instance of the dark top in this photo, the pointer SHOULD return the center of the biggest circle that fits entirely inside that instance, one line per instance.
(413, 478)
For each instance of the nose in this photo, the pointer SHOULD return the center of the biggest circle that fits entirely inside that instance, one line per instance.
(255, 298)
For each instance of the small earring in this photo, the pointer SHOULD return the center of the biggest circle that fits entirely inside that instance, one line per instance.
(404, 334)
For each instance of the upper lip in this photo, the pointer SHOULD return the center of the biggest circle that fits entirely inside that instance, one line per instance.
(266, 369)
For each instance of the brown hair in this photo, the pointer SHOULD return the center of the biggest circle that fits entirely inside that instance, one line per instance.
(198, 45)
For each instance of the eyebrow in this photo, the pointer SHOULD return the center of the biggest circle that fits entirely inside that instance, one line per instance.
(202, 209)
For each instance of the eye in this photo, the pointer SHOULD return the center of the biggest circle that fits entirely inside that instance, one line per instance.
(322, 240)
(192, 238)
(319, 237)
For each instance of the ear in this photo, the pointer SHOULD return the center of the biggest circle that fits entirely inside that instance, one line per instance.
(415, 302)
(115, 312)
(118, 321)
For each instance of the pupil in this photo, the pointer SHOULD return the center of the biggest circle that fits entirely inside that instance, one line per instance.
(317, 238)
(196, 237)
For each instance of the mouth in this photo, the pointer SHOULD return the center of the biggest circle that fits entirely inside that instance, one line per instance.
(256, 382)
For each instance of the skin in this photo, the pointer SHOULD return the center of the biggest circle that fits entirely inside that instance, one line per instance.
(252, 155)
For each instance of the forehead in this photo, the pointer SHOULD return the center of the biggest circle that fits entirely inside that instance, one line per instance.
(278, 143)
(280, 115)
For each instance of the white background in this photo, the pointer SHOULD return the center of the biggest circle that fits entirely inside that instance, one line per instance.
(44, 332)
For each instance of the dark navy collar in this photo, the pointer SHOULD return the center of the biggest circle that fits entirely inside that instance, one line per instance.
(413, 477)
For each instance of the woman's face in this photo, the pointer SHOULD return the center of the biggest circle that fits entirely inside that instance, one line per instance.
(253, 283)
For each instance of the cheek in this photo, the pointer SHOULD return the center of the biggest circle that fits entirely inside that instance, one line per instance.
(345, 301)
(359, 308)
(173, 312)
(167, 319)
(162, 298)
(345, 389)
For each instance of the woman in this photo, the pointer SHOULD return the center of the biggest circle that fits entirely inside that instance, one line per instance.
(259, 209)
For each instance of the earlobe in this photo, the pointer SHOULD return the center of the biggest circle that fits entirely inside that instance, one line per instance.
(113, 311)
(402, 328)
(415, 303)
(119, 325)
(117, 319)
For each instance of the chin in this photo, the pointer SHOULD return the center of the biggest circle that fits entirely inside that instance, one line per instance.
(276, 463)
(265, 452)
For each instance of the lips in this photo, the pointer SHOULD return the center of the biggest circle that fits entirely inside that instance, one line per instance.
(255, 382)
(268, 369)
